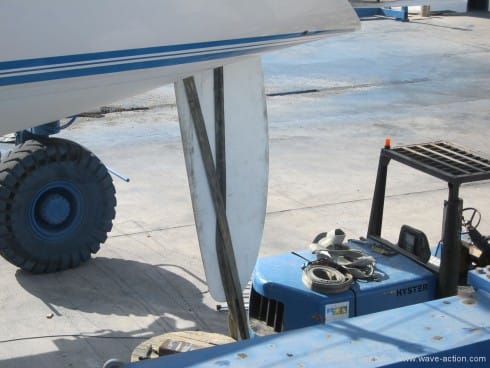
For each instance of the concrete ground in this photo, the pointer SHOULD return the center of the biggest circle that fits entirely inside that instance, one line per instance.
(414, 82)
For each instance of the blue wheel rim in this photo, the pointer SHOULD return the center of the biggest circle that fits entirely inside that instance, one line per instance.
(55, 210)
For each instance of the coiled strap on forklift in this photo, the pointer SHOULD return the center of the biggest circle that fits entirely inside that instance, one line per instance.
(354, 261)
(325, 276)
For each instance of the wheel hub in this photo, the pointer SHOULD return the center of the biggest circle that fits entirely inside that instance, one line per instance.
(55, 210)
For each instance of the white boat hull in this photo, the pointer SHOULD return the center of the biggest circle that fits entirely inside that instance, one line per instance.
(61, 58)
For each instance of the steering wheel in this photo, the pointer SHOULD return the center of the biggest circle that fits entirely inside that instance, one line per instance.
(472, 215)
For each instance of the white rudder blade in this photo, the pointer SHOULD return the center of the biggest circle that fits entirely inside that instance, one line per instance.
(247, 162)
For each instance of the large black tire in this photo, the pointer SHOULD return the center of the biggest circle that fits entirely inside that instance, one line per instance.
(57, 203)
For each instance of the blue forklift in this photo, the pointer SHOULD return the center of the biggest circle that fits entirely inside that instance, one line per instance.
(405, 272)
(372, 302)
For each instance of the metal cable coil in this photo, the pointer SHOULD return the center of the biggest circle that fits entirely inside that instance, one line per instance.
(354, 261)
(323, 276)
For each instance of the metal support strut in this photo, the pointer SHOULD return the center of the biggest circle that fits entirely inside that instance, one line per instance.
(216, 177)
(377, 206)
(451, 250)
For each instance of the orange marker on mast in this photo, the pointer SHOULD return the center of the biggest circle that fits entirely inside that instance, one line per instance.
(387, 143)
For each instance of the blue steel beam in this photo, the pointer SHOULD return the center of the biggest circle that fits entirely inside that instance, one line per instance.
(401, 14)
(450, 330)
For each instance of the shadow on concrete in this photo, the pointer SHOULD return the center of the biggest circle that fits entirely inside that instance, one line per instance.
(105, 289)
(112, 286)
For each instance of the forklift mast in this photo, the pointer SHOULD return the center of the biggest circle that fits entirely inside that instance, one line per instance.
(446, 161)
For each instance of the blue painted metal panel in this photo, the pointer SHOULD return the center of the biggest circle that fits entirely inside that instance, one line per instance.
(438, 328)
(401, 14)
(279, 278)
(473, 355)
(398, 14)
(48, 129)
(402, 282)
(480, 279)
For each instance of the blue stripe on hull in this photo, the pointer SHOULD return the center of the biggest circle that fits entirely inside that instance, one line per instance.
(138, 58)
(106, 69)
(18, 71)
